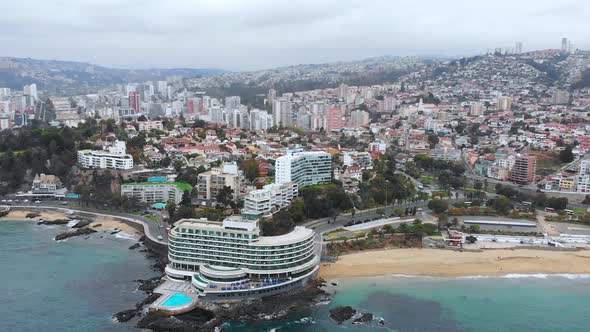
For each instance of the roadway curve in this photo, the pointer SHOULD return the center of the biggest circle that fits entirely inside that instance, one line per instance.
(151, 229)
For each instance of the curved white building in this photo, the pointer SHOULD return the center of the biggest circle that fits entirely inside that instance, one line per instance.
(229, 259)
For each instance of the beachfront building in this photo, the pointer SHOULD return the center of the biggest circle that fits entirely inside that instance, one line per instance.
(113, 157)
(210, 183)
(156, 192)
(272, 197)
(231, 260)
(305, 168)
(46, 184)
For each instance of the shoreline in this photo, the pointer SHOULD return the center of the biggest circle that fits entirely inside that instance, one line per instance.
(449, 264)
(97, 223)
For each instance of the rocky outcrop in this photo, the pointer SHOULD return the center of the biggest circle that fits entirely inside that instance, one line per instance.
(82, 223)
(196, 320)
(125, 315)
(32, 215)
(54, 222)
(72, 233)
(148, 285)
(342, 314)
(364, 318)
(134, 246)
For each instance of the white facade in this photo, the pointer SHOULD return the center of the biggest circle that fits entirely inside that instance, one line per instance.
(271, 196)
(231, 258)
(157, 192)
(114, 157)
(304, 168)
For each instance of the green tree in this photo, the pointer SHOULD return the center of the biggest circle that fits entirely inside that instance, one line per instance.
(502, 205)
(566, 155)
(250, 168)
(438, 205)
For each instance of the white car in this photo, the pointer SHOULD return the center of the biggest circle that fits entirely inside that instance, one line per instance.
(160, 237)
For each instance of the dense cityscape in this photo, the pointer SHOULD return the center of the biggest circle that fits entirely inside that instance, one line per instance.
(254, 184)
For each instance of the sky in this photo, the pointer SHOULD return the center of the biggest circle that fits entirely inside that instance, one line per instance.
(258, 34)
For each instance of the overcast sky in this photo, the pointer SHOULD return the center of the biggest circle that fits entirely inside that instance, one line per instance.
(257, 34)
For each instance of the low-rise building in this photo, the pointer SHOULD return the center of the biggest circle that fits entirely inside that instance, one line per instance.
(155, 192)
(271, 197)
(114, 157)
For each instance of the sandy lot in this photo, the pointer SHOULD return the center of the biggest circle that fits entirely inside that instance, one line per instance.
(446, 263)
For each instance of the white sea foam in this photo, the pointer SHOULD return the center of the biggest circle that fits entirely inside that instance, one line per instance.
(506, 276)
(73, 223)
(123, 235)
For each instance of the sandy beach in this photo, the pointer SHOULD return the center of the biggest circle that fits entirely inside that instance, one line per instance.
(99, 223)
(446, 263)
(108, 224)
(43, 214)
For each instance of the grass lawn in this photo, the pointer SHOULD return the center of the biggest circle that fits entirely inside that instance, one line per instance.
(152, 218)
(579, 210)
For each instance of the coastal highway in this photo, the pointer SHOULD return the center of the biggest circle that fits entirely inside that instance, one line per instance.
(324, 225)
(151, 228)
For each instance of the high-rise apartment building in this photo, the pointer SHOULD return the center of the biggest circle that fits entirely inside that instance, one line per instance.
(282, 112)
(335, 118)
(232, 102)
(134, 101)
(359, 118)
(504, 103)
(518, 48)
(523, 171)
(304, 168)
(476, 108)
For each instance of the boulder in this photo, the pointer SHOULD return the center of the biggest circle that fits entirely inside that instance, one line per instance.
(82, 223)
(134, 246)
(125, 315)
(76, 232)
(341, 314)
(364, 318)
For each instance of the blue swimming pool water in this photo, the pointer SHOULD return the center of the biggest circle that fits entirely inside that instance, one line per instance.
(177, 299)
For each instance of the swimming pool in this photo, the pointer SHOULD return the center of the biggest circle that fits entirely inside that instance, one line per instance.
(176, 300)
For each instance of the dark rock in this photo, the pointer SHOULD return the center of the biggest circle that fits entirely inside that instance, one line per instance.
(341, 314)
(135, 246)
(115, 232)
(142, 238)
(54, 222)
(148, 285)
(96, 225)
(382, 321)
(196, 320)
(125, 315)
(364, 318)
(82, 223)
(32, 215)
(77, 232)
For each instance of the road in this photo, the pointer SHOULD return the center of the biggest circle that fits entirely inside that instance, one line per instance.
(151, 228)
(324, 225)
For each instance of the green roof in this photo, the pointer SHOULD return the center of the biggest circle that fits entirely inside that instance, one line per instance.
(181, 185)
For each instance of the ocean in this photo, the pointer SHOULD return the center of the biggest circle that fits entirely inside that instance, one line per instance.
(72, 285)
(486, 304)
(78, 284)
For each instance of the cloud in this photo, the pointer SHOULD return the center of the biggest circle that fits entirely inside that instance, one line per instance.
(254, 34)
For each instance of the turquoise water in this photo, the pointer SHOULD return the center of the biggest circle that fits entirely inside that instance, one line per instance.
(177, 300)
(71, 285)
(514, 303)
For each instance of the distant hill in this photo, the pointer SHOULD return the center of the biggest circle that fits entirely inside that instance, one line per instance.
(61, 76)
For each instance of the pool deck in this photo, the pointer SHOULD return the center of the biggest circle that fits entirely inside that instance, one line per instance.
(168, 289)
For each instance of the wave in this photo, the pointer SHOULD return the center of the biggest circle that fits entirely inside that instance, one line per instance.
(570, 276)
(127, 236)
(532, 276)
